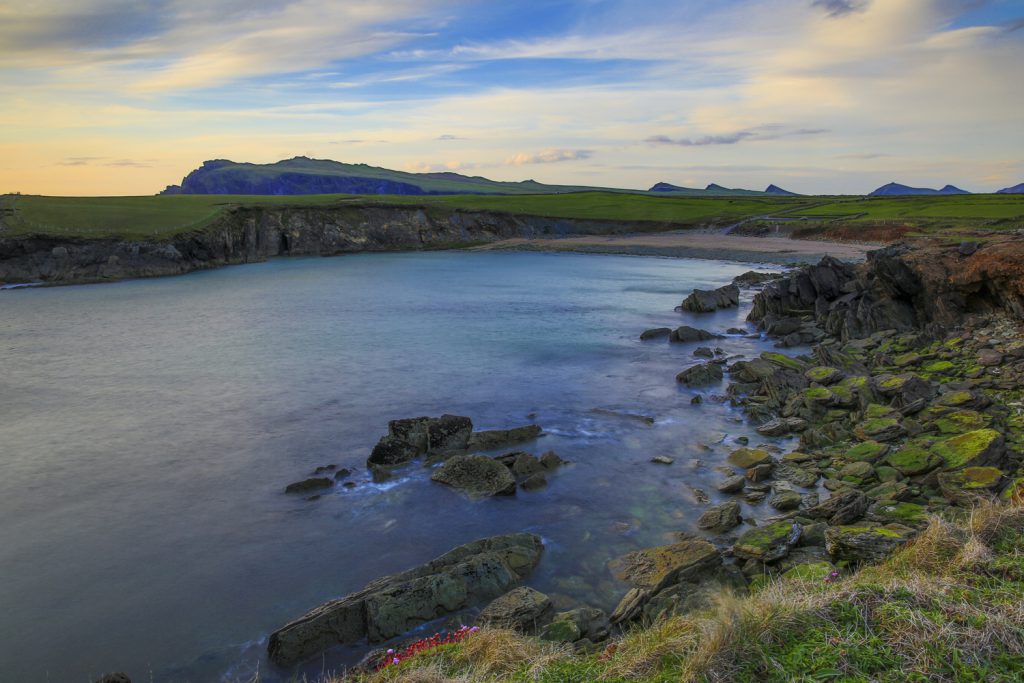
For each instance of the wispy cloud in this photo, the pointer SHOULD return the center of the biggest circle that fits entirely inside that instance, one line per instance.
(550, 156)
(837, 8)
(447, 138)
(762, 133)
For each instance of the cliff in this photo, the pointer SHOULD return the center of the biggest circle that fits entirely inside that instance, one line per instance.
(251, 234)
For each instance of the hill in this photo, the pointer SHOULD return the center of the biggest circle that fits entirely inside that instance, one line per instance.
(712, 190)
(779, 192)
(1016, 189)
(895, 189)
(302, 176)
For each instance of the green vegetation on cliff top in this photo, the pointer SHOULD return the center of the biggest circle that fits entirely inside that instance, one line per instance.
(164, 216)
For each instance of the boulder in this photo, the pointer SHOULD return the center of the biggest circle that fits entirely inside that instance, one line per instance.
(781, 426)
(655, 333)
(550, 460)
(686, 333)
(977, 447)
(392, 605)
(391, 450)
(913, 458)
(990, 358)
(745, 458)
(894, 512)
(703, 352)
(311, 484)
(521, 609)
(655, 568)
(476, 475)
(411, 431)
(966, 486)
(534, 482)
(721, 518)
(706, 301)
(843, 507)
(449, 433)
(752, 278)
(798, 475)
(767, 543)
(785, 500)
(823, 375)
(500, 438)
(700, 375)
(582, 623)
(526, 465)
(866, 543)
(733, 484)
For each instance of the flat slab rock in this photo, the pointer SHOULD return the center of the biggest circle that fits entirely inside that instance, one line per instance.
(469, 575)
(477, 475)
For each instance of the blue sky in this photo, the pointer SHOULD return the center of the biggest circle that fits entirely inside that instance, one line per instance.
(123, 96)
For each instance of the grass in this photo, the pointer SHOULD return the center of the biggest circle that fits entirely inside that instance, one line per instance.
(947, 607)
(866, 219)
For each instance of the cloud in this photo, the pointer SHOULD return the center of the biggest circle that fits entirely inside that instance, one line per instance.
(838, 8)
(446, 167)
(446, 137)
(79, 161)
(550, 156)
(129, 163)
(767, 132)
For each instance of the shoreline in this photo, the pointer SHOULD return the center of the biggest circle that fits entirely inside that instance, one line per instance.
(697, 245)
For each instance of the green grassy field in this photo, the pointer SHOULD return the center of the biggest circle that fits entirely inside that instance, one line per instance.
(164, 216)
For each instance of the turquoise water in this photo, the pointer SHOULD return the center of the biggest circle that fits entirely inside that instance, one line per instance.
(147, 429)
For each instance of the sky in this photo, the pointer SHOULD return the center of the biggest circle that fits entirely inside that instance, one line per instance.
(120, 97)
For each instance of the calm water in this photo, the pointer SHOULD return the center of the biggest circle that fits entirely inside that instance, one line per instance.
(147, 429)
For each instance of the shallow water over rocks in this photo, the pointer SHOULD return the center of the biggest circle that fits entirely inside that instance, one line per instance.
(148, 429)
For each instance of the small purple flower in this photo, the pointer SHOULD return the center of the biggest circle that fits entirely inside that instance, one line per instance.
(391, 651)
(395, 660)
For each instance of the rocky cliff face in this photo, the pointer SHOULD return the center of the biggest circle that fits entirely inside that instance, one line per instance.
(918, 284)
(246, 235)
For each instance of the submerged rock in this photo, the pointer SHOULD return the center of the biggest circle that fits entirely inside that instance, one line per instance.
(721, 518)
(500, 438)
(477, 475)
(311, 484)
(393, 605)
(686, 333)
(655, 333)
(706, 301)
(700, 375)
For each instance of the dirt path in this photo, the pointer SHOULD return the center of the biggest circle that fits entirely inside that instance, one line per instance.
(688, 244)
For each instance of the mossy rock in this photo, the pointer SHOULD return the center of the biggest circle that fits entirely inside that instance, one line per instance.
(857, 472)
(976, 446)
(812, 571)
(914, 458)
(783, 360)
(796, 474)
(887, 512)
(862, 543)
(561, 631)
(887, 474)
(799, 456)
(906, 359)
(876, 411)
(960, 421)
(655, 568)
(879, 429)
(767, 543)
(890, 490)
(745, 458)
(962, 399)
(867, 451)
(842, 395)
(823, 375)
(855, 383)
(818, 395)
(940, 367)
(963, 485)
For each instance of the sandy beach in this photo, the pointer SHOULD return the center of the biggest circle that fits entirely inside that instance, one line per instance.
(688, 244)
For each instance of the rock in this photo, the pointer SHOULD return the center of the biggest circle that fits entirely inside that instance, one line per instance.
(905, 390)
(706, 301)
(655, 568)
(752, 278)
(965, 486)
(392, 451)
(960, 421)
(857, 472)
(867, 451)
(767, 543)
(732, 484)
(785, 500)
(550, 460)
(521, 609)
(804, 477)
(967, 248)
(343, 473)
(781, 426)
(700, 375)
(310, 484)
(686, 333)
(703, 352)
(823, 375)
(843, 507)
(913, 459)
(119, 677)
(525, 465)
(745, 458)
(879, 429)
(990, 358)
(721, 518)
(760, 472)
(477, 475)
(655, 333)
(534, 482)
(392, 605)
(449, 433)
(662, 460)
(892, 512)
(411, 431)
(323, 469)
(978, 447)
(582, 623)
(867, 543)
(501, 438)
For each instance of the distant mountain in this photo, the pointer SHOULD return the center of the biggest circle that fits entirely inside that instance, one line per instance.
(712, 190)
(776, 190)
(1016, 189)
(302, 175)
(895, 189)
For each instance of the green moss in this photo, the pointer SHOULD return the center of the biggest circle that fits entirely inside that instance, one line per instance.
(818, 395)
(872, 529)
(980, 477)
(876, 410)
(961, 421)
(914, 458)
(762, 542)
(854, 383)
(842, 395)
(940, 367)
(868, 451)
(892, 383)
(906, 359)
(746, 458)
(879, 428)
(961, 450)
(910, 513)
(823, 375)
(784, 361)
(1014, 492)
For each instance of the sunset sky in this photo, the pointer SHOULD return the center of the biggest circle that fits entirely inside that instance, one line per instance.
(825, 96)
